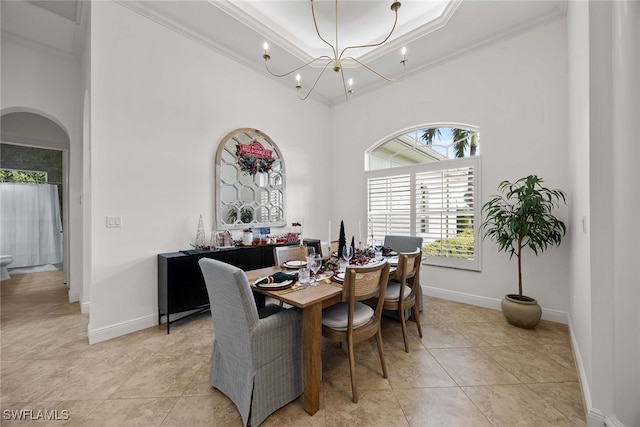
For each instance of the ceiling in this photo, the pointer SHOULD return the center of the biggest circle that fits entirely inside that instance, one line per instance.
(432, 31)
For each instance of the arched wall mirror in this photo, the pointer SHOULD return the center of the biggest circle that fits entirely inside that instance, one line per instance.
(250, 177)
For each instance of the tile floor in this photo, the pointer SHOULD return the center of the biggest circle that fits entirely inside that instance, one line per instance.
(470, 369)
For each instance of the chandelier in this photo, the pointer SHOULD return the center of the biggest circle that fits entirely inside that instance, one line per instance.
(338, 57)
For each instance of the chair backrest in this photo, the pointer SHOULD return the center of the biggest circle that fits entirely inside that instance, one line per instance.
(282, 254)
(233, 307)
(409, 268)
(363, 283)
(333, 247)
(402, 243)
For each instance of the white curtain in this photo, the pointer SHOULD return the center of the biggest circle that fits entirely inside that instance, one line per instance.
(30, 224)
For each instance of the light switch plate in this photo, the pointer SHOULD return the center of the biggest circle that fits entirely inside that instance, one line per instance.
(114, 221)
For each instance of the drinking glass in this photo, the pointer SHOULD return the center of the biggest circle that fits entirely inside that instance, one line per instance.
(303, 276)
(316, 264)
(347, 253)
(378, 247)
(309, 251)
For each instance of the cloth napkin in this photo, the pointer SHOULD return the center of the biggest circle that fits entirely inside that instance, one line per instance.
(278, 277)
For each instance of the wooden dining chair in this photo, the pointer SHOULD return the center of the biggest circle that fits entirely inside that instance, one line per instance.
(401, 244)
(401, 292)
(282, 254)
(351, 321)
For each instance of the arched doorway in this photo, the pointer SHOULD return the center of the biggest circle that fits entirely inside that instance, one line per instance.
(33, 142)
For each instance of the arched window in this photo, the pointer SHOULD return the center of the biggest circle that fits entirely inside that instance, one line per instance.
(425, 182)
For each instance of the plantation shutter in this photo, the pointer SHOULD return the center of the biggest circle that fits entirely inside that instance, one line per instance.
(445, 211)
(389, 206)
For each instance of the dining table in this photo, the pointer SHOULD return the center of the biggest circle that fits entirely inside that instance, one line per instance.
(310, 300)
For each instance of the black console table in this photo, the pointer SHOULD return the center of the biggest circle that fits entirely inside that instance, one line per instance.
(181, 286)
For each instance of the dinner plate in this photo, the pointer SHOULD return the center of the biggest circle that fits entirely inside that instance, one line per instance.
(294, 264)
(339, 278)
(273, 286)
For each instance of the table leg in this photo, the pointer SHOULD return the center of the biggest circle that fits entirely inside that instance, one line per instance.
(312, 357)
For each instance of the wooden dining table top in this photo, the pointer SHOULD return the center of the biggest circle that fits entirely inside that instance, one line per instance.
(327, 290)
(301, 297)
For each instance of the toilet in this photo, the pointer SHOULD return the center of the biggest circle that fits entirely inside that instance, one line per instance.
(5, 260)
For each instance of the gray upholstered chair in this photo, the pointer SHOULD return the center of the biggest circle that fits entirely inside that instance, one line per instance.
(256, 362)
(404, 244)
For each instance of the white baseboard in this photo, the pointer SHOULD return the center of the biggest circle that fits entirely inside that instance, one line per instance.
(595, 418)
(74, 297)
(612, 422)
(494, 303)
(84, 307)
(119, 329)
(461, 297)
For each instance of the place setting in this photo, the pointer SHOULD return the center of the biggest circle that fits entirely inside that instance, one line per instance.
(277, 281)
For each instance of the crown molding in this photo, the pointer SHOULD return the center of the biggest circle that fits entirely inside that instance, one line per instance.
(140, 8)
(543, 20)
(40, 46)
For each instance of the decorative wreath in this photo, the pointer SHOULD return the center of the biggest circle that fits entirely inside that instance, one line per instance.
(251, 165)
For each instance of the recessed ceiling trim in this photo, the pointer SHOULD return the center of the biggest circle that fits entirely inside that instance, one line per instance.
(420, 31)
(264, 28)
(274, 32)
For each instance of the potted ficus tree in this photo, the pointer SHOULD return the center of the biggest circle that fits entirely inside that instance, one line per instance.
(522, 218)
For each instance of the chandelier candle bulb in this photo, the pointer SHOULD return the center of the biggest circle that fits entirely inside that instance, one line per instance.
(404, 53)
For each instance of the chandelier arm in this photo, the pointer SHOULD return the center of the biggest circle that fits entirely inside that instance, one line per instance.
(315, 23)
(296, 69)
(344, 86)
(316, 82)
(395, 21)
(377, 73)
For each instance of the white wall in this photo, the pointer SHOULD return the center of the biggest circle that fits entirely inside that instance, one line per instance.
(604, 106)
(160, 104)
(85, 72)
(55, 95)
(515, 92)
(578, 139)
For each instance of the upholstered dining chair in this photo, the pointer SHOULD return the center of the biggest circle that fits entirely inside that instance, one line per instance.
(282, 254)
(401, 293)
(404, 244)
(256, 362)
(351, 321)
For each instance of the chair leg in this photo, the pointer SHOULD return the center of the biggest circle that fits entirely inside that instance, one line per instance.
(416, 318)
(352, 370)
(403, 323)
(381, 354)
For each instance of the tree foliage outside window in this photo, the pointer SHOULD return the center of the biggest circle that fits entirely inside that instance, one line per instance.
(18, 176)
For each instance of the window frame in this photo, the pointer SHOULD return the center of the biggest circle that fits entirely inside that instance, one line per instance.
(412, 170)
